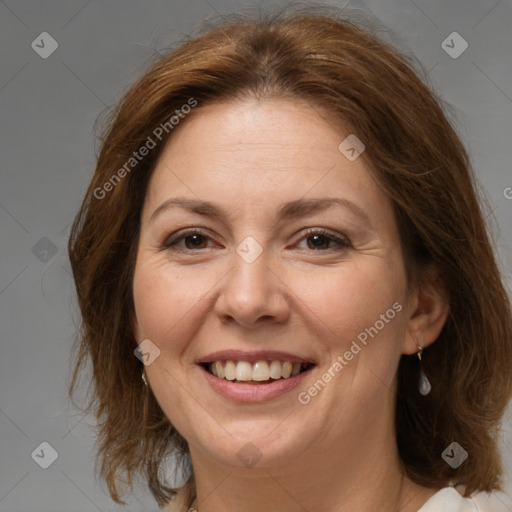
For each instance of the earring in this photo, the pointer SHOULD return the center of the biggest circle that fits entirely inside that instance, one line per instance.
(424, 386)
(144, 378)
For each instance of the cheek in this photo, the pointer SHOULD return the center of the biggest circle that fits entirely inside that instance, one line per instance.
(163, 297)
(335, 304)
(347, 300)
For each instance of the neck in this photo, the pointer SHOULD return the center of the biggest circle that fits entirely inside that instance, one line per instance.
(365, 476)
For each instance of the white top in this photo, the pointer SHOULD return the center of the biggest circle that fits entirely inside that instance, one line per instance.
(447, 499)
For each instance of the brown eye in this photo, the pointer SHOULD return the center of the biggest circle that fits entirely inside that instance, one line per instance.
(187, 241)
(196, 241)
(319, 240)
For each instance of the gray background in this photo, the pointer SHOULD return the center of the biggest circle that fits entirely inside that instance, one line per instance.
(48, 109)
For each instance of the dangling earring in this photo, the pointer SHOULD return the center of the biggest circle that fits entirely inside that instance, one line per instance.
(144, 378)
(424, 386)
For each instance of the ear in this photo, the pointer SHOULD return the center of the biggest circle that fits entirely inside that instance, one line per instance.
(428, 309)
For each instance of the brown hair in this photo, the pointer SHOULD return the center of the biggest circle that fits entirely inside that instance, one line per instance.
(416, 157)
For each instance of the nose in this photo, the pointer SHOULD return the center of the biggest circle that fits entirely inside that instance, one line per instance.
(253, 294)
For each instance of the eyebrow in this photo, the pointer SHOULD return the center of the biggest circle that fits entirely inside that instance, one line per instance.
(291, 210)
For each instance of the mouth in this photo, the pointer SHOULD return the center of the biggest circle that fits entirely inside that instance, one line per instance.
(255, 372)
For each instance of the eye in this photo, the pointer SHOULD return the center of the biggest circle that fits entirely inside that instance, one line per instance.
(193, 239)
(319, 240)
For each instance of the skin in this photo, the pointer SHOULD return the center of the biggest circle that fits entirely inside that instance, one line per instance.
(337, 453)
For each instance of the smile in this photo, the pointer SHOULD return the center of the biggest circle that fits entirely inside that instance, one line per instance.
(260, 372)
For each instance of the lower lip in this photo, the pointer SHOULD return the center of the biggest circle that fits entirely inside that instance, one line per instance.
(250, 393)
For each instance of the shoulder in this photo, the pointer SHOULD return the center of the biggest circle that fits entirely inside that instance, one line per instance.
(450, 499)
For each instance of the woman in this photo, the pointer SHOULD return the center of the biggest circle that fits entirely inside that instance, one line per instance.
(283, 228)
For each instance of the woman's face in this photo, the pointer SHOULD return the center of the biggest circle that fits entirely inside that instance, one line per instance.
(275, 247)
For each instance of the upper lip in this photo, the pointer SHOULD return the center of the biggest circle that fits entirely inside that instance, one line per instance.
(253, 356)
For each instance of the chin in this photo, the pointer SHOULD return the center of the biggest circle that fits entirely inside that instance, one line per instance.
(252, 448)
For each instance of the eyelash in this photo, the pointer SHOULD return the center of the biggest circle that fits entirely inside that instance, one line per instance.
(171, 241)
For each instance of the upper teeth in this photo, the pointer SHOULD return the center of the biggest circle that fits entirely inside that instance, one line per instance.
(258, 371)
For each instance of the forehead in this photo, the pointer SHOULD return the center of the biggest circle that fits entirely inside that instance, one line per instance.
(259, 153)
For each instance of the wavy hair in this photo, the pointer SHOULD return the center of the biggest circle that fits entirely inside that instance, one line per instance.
(336, 64)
